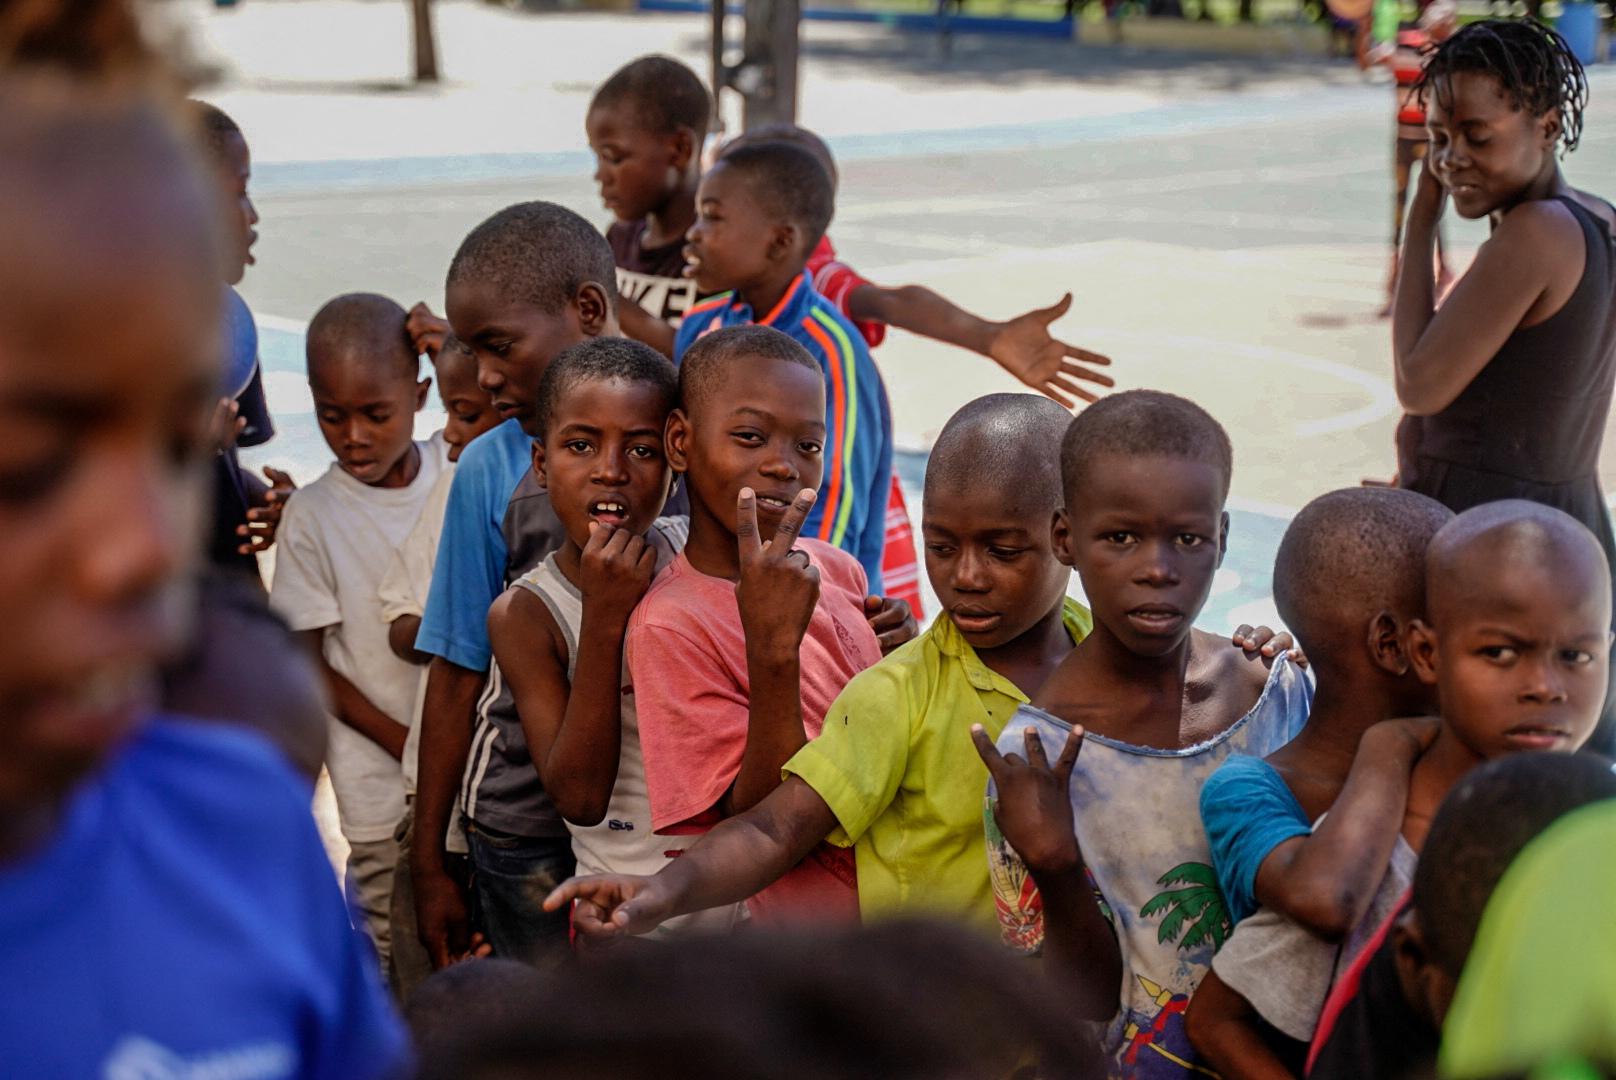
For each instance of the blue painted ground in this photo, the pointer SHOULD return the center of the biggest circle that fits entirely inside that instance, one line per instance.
(1241, 592)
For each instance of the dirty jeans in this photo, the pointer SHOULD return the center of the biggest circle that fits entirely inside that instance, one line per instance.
(510, 877)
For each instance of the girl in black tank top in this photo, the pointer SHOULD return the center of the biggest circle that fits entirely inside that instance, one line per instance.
(1507, 386)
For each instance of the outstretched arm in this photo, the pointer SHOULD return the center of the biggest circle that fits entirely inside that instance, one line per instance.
(739, 858)
(1023, 346)
(1327, 879)
(1034, 812)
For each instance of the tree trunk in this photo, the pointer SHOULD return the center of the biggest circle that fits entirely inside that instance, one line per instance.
(426, 46)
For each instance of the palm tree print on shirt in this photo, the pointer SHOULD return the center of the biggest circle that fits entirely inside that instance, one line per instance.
(1195, 909)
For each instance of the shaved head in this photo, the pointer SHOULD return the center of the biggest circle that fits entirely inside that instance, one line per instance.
(1011, 442)
(365, 329)
(1512, 539)
(1349, 555)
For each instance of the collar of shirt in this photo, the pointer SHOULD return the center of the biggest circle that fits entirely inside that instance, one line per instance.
(950, 642)
(791, 307)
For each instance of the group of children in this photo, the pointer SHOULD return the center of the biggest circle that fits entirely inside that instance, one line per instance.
(618, 653)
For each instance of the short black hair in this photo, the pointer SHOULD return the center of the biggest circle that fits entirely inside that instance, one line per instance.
(600, 359)
(537, 253)
(1484, 823)
(789, 184)
(785, 132)
(364, 328)
(215, 127)
(1534, 67)
(705, 363)
(491, 990)
(664, 94)
(932, 1002)
(1518, 530)
(1144, 423)
(1349, 554)
(1011, 442)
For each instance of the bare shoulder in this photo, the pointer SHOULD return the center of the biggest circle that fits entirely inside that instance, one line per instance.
(1229, 668)
(519, 624)
(1542, 226)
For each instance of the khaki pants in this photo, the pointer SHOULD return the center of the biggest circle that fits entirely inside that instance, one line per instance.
(371, 868)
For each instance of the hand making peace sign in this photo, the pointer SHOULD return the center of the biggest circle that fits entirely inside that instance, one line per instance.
(778, 586)
(1034, 807)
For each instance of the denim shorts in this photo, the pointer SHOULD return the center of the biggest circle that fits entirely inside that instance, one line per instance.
(510, 877)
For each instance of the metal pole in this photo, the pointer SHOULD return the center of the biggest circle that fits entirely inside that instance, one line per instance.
(766, 77)
(426, 46)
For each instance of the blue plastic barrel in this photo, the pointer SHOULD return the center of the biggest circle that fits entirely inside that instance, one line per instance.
(1579, 25)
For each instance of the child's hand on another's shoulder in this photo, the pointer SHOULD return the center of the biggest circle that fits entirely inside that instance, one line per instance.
(1034, 806)
(1265, 642)
(615, 570)
(779, 587)
(891, 620)
(1400, 742)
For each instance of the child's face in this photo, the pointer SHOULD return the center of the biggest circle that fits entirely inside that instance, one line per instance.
(234, 170)
(1518, 652)
(602, 458)
(108, 373)
(471, 411)
(513, 343)
(990, 561)
(1485, 151)
(763, 427)
(638, 170)
(1146, 534)
(366, 411)
(734, 243)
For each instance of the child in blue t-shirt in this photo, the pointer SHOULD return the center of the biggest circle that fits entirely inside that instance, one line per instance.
(166, 905)
(759, 213)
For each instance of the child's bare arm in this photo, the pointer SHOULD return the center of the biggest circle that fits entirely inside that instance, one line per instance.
(1034, 812)
(1223, 1028)
(741, 857)
(354, 708)
(776, 594)
(1326, 880)
(401, 639)
(641, 325)
(1023, 346)
(574, 732)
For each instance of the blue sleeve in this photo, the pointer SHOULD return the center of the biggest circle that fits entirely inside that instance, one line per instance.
(1248, 812)
(683, 337)
(871, 552)
(469, 572)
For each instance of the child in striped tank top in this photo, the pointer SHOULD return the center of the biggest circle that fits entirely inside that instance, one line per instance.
(557, 632)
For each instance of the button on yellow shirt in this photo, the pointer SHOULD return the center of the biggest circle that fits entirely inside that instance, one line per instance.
(897, 767)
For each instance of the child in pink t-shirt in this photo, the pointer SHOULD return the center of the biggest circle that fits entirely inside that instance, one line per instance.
(738, 650)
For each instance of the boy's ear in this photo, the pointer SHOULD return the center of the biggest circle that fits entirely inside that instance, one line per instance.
(1388, 644)
(1060, 537)
(784, 240)
(1426, 987)
(1422, 650)
(420, 392)
(683, 146)
(1223, 538)
(538, 464)
(673, 441)
(594, 308)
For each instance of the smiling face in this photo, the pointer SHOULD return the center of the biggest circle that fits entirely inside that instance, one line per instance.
(513, 342)
(1518, 648)
(602, 459)
(734, 243)
(109, 354)
(233, 170)
(366, 409)
(1484, 150)
(990, 561)
(761, 425)
(471, 411)
(1146, 534)
(638, 170)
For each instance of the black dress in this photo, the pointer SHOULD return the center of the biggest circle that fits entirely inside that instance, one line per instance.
(1530, 423)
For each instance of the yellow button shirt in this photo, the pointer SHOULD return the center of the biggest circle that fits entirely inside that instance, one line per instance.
(897, 767)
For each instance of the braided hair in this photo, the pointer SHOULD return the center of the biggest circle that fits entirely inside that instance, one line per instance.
(1534, 66)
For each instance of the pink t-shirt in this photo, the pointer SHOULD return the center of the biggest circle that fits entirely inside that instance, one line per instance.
(686, 656)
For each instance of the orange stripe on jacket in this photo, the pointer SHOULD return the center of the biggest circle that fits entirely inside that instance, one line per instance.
(838, 411)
